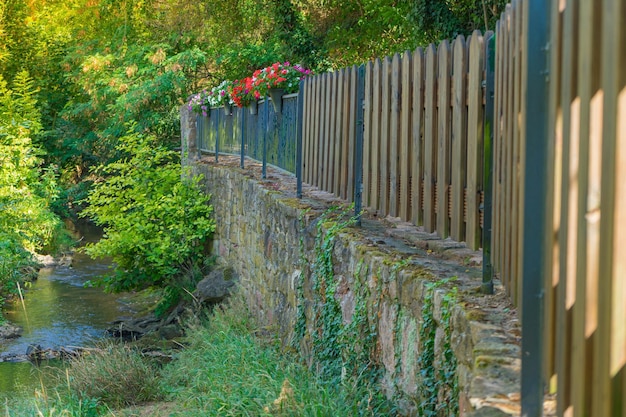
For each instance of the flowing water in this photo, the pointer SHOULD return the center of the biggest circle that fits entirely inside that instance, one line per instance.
(59, 311)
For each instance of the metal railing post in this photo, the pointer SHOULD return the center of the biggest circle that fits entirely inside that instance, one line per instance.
(534, 247)
(242, 115)
(358, 143)
(267, 128)
(490, 51)
(217, 136)
(299, 135)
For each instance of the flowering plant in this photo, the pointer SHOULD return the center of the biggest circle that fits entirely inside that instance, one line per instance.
(201, 102)
(220, 95)
(243, 92)
(279, 75)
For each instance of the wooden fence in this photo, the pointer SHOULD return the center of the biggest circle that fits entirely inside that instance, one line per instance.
(586, 273)
(423, 136)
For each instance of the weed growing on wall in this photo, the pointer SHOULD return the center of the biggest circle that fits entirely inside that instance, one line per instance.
(438, 388)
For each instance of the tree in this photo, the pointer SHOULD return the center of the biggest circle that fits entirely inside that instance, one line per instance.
(27, 224)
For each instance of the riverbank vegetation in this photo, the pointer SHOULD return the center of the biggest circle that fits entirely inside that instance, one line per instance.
(229, 367)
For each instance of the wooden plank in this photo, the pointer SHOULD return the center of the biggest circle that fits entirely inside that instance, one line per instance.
(384, 137)
(616, 185)
(585, 304)
(591, 93)
(345, 132)
(496, 244)
(405, 138)
(309, 118)
(339, 168)
(326, 132)
(430, 138)
(321, 92)
(459, 137)
(317, 98)
(517, 175)
(568, 234)
(332, 139)
(417, 143)
(394, 139)
(508, 156)
(352, 131)
(611, 341)
(306, 113)
(375, 153)
(443, 139)
(475, 139)
(367, 137)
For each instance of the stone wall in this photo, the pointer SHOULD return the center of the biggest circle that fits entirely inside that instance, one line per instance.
(388, 269)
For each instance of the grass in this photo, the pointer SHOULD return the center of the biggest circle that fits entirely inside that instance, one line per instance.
(225, 371)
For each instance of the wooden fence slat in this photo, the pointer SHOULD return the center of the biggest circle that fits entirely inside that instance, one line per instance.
(394, 125)
(496, 247)
(305, 114)
(367, 137)
(384, 137)
(340, 168)
(611, 346)
(459, 137)
(326, 129)
(333, 140)
(317, 143)
(311, 131)
(376, 135)
(417, 162)
(552, 264)
(474, 139)
(443, 139)
(430, 138)
(497, 139)
(585, 288)
(321, 91)
(405, 140)
(508, 162)
(567, 235)
(517, 176)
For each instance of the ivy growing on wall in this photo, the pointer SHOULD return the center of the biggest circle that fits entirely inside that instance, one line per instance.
(344, 353)
(438, 388)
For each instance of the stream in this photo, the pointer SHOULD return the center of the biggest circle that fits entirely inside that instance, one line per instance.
(58, 311)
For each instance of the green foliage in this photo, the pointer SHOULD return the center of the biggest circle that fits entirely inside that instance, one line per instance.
(155, 223)
(27, 224)
(438, 388)
(344, 353)
(444, 19)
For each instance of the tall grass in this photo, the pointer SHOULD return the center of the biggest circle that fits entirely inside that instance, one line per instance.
(225, 370)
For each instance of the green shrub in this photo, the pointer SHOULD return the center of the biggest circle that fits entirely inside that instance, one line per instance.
(157, 222)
